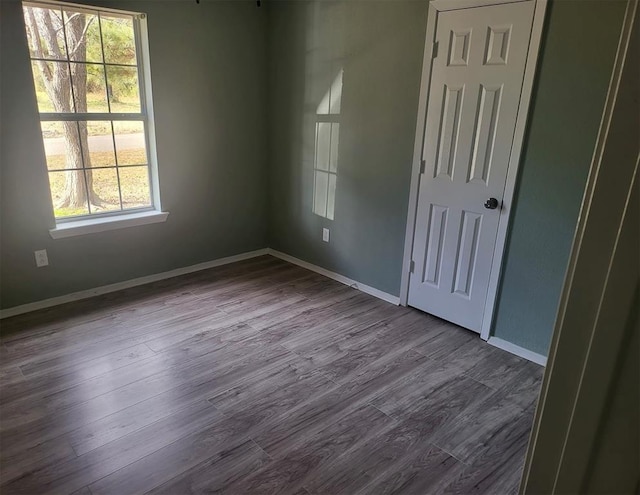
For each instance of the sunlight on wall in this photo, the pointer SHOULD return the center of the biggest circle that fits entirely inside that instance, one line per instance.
(325, 162)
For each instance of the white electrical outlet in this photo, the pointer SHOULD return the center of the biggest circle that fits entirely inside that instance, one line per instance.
(41, 258)
(325, 235)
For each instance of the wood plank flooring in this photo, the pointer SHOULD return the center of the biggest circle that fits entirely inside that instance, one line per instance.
(256, 377)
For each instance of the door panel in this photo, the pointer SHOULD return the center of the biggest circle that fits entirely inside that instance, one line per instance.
(483, 140)
(474, 94)
(449, 131)
(435, 244)
(466, 253)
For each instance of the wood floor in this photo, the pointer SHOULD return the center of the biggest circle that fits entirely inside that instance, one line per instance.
(256, 377)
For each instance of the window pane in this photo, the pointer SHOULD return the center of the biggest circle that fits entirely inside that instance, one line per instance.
(100, 140)
(134, 185)
(68, 193)
(118, 39)
(89, 88)
(323, 145)
(124, 95)
(58, 137)
(105, 186)
(335, 138)
(131, 146)
(331, 201)
(44, 33)
(320, 193)
(83, 35)
(52, 97)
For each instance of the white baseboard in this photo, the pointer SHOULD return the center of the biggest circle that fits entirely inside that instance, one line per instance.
(495, 341)
(518, 351)
(336, 276)
(105, 289)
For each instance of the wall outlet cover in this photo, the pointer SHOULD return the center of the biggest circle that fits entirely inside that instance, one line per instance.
(41, 258)
(325, 235)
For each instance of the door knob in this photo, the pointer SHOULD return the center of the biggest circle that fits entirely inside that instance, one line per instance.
(491, 203)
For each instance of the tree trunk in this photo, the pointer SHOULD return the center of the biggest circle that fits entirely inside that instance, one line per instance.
(43, 29)
(75, 191)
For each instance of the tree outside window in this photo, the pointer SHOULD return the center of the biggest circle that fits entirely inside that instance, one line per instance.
(90, 93)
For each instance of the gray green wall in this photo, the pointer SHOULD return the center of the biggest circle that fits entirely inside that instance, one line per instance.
(208, 67)
(379, 44)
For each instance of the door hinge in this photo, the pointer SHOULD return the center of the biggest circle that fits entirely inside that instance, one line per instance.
(434, 49)
(423, 164)
(412, 266)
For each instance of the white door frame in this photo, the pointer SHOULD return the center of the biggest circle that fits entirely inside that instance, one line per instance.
(436, 6)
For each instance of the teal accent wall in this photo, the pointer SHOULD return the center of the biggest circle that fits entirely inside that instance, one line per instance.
(379, 45)
(209, 68)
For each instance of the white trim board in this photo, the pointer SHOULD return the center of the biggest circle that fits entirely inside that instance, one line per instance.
(103, 224)
(336, 276)
(134, 282)
(445, 5)
(517, 350)
(105, 289)
(436, 6)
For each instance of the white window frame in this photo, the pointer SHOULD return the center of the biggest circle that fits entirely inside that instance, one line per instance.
(98, 222)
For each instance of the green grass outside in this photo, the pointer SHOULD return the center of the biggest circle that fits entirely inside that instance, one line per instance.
(103, 159)
(134, 183)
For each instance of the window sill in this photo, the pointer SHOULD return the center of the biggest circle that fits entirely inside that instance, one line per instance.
(94, 225)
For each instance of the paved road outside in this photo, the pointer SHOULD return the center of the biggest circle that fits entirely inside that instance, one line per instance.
(55, 146)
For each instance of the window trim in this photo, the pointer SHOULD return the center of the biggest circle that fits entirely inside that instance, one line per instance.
(105, 223)
(80, 224)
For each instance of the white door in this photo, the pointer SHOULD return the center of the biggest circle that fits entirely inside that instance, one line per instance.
(474, 93)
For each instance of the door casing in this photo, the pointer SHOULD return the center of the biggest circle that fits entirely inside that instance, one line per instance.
(435, 7)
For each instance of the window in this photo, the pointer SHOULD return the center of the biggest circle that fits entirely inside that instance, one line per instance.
(89, 70)
(325, 167)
